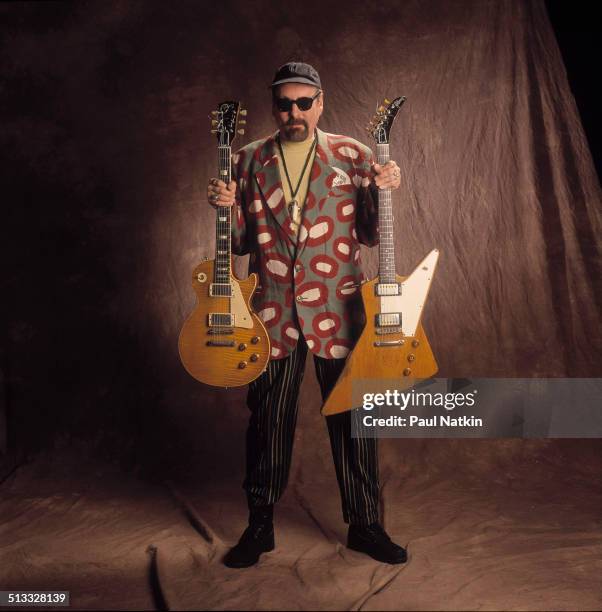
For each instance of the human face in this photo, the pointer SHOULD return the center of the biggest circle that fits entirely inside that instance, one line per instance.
(297, 125)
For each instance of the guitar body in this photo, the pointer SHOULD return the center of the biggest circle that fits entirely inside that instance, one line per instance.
(223, 342)
(223, 356)
(372, 369)
(392, 352)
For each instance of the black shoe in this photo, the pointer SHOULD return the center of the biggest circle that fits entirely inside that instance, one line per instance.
(257, 538)
(374, 541)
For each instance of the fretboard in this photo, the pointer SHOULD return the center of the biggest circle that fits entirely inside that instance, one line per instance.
(386, 250)
(223, 222)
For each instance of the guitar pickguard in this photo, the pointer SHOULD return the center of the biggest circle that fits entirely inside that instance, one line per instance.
(238, 307)
(414, 290)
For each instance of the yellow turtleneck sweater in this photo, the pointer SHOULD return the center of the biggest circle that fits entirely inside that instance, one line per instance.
(295, 154)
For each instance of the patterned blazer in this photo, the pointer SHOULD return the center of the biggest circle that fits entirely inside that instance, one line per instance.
(308, 284)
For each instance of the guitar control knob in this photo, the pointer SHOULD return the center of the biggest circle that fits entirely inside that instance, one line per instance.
(411, 357)
(242, 346)
(242, 365)
(254, 357)
(407, 372)
(415, 343)
(254, 339)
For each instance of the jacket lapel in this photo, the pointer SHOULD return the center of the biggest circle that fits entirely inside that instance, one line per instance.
(320, 188)
(269, 182)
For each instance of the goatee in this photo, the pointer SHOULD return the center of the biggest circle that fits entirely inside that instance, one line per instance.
(295, 134)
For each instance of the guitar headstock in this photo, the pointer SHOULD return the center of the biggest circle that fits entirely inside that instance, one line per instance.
(380, 125)
(226, 120)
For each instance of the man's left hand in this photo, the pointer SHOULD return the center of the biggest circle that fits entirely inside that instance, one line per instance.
(387, 176)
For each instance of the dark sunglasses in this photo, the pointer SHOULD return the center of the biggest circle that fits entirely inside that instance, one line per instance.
(285, 105)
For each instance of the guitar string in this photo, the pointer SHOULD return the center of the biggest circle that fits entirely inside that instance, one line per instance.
(385, 222)
(222, 276)
(218, 257)
(222, 272)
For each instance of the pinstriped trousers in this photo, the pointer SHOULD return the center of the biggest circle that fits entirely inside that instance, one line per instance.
(273, 400)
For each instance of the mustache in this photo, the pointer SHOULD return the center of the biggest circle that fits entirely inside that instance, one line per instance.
(292, 121)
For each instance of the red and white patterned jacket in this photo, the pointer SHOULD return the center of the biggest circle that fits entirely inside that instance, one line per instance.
(308, 284)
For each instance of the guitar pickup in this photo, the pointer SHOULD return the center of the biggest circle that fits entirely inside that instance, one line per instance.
(221, 319)
(387, 289)
(220, 290)
(388, 319)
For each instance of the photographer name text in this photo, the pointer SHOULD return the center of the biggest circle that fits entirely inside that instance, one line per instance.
(441, 420)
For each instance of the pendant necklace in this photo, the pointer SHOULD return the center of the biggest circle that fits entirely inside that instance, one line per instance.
(293, 208)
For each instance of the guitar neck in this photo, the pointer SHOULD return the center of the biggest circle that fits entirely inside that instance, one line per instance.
(386, 250)
(223, 222)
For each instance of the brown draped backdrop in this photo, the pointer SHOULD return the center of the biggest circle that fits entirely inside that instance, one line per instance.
(108, 151)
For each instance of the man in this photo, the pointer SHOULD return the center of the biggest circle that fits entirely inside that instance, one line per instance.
(303, 200)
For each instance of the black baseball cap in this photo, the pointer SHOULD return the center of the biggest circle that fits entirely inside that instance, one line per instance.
(297, 72)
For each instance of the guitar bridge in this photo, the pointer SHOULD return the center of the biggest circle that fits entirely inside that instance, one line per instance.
(220, 290)
(388, 330)
(221, 319)
(389, 343)
(388, 319)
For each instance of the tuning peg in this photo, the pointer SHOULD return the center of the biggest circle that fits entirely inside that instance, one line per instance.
(243, 112)
(214, 131)
(242, 122)
(381, 109)
(214, 122)
(214, 113)
(241, 132)
(386, 101)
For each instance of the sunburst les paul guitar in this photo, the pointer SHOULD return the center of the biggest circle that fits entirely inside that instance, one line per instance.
(223, 342)
(393, 348)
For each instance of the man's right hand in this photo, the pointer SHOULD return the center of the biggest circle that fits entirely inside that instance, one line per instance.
(220, 194)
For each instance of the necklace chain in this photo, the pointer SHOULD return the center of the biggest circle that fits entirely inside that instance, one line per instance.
(288, 178)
